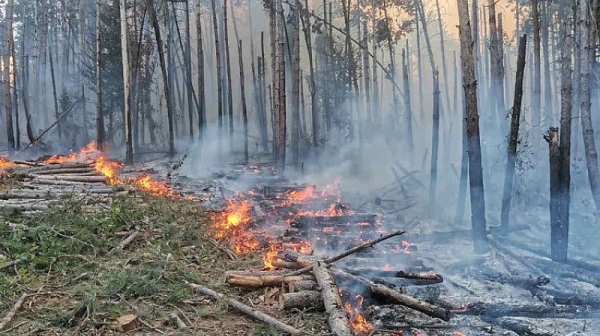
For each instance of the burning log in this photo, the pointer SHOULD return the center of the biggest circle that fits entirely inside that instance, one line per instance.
(252, 312)
(257, 281)
(350, 251)
(302, 299)
(337, 319)
(410, 302)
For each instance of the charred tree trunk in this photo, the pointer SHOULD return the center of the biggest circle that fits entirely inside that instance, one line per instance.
(473, 138)
(545, 26)
(201, 87)
(243, 93)
(559, 229)
(443, 52)
(585, 54)
(228, 65)
(434, 143)
(513, 138)
(54, 95)
(7, 52)
(497, 64)
(219, 70)
(295, 78)
(555, 165)
(307, 28)
(537, 90)
(163, 68)
(99, 115)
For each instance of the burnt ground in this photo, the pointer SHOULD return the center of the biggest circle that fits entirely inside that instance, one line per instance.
(79, 284)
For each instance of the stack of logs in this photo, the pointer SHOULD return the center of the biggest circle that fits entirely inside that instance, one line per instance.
(39, 186)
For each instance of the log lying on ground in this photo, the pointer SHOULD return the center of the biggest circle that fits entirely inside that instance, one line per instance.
(310, 221)
(570, 298)
(336, 317)
(495, 310)
(302, 299)
(58, 166)
(286, 264)
(523, 281)
(410, 302)
(255, 314)
(350, 252)
(73, 178)
(302, 285)
(65, 171)
(428, 277)
(258, 281)
(522, 326)
(565, 270)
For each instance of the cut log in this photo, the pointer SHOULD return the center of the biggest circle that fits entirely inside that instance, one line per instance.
(257, 315)
(410, 302)
(263, 280)
(302, 285)
(302, 299)
(65, 171)
(87, 179)
(336, 317)
(128, 322)
(350, 252)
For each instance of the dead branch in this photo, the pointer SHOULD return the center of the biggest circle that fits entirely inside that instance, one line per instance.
(6, 320)
(255, 314)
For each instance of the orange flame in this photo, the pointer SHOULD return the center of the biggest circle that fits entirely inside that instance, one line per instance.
(84, 155)
(108, 169)
(335, 209)
(299, 196)
(357, 321)
(458, 333)
(404, 248)
(145, 183)
(302, 247)
(233, 222)
(5, 164)
(387, 267)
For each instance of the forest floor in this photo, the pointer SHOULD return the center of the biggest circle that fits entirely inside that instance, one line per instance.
(79, 282)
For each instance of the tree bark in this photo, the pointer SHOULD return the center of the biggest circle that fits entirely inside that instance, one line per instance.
(279, 92)
(56, 111)
(228, 65)
(585, 54)
(200, 60)
(295, 78)
(497, 65)
(219, 70)
(99, 115)
(163, 68)
(537, 91)
(513, 137)
(338, 321)
(15, 68)
(126, 88)
(243, 93)
(473, 137)
(307, 28)
(7, 52)
(435, 136)
(407, 101)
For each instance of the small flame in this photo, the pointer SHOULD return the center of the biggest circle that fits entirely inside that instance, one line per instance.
(302, 247)
(387, 267)
(403, 248)
(299, 196)
(108, 169)
(5, 163)
(85, 154)
(233, 222)
(145, 183)
(458, 333)
(357, 321)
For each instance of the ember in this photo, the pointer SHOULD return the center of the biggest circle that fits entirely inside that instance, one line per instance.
(403, 248)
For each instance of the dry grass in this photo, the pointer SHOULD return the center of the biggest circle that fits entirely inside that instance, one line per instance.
(67, 255)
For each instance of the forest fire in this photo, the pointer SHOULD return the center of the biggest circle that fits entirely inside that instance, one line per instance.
(145, 183)
(233, 223)
(108, 169)
(271, 255)
(86, 154)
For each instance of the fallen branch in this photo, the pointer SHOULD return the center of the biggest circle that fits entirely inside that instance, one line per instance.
(337, 319)
(257, 315)
(73, 178)
(350, 252)
(127, 241)
(410, 302)
(9, 264)
(6, 320)
(257, 281)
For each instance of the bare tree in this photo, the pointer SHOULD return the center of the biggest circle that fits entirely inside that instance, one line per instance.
(219, 70)
(243, 93)
(473, 138)
(126, 88)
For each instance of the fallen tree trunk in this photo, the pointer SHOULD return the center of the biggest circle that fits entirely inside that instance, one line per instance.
(431, 278)
(337, 319)
(65, 171)
(263, 280)
(302, 299)
(495, 310)
(255, 314)
(564, 270)
(73, 178)
(410, 302)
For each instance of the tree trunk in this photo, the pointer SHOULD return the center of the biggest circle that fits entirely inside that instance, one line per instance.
(243, 93)
(7, 52)
(81, 41)
(295, 78)
(497, 65)
(279, 93)
(434, 143)
(188, 68)
(56, 111)
(407, 105)
(15, 67)
(201, 88)
(163, 68)
(585, 53)
(99, 115)
(307, 28)
(367, 72)
(473, 138)
(419, 61)
(376, 109)
(228, 64)
(545, 26)
(513, 138)
(126, 90)
(559, 230)
(264, 130)
(443, 52)
(558, 241)
(536, 99)
(219, 70)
